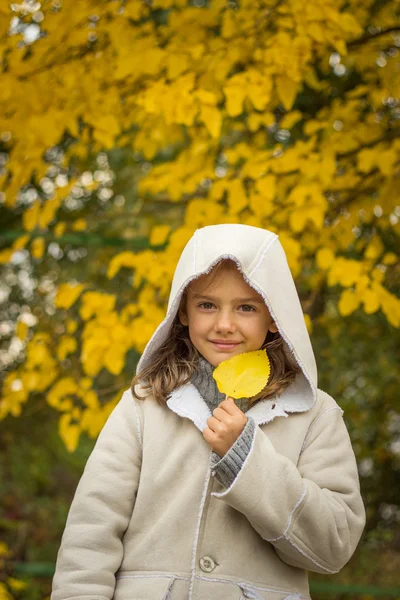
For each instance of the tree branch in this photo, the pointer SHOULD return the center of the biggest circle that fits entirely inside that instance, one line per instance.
(372, 36)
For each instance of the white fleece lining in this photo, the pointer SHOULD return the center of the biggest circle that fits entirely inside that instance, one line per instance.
(315, 422)
(186, 401)
(251, 586)
(196, 537)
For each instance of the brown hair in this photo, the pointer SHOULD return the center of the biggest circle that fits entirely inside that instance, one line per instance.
(176, 360)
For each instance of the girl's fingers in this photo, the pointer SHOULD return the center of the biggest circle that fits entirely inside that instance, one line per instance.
(213, 423)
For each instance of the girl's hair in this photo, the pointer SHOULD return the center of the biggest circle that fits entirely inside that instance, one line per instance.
(176, 360)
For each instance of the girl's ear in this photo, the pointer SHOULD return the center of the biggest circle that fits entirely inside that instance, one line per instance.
(272, 327)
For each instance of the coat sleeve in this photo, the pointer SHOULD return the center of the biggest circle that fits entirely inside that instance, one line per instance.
(312, 513)
(91, 548)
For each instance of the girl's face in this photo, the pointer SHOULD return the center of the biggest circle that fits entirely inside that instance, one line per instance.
(225, 317)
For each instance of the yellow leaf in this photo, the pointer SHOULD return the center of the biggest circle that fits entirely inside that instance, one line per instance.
(243, 375)
(290, 119)
(79, 225)
(5, 256)
(266, 186)
(59, 229)
(348, 303)
(20, 242)
(371, 301)
(159, 234)
(374, 248)
(212, 119)
(69, 432)
(325, 258)
(235, 93)
(38, 247)
(16, 584)
(30, 216)
(67, 294)
(21, 330)
(390, 258)
(287, 90)
(237, 198)
(176, 64)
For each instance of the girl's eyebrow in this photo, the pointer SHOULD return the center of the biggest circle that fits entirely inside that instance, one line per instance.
(251, 299)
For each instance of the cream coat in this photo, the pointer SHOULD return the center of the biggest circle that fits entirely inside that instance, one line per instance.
(150, 522)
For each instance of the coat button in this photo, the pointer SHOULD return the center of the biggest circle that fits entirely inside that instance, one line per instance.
(207, 564)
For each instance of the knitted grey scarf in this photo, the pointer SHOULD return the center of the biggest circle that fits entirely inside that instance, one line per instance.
(205, 383)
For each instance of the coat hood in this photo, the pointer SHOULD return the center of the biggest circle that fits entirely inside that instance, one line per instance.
(262, 262)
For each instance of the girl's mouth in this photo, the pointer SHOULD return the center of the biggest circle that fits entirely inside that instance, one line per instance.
(225, 345)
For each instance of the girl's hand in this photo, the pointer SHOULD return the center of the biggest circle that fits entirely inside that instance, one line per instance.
(225, 426)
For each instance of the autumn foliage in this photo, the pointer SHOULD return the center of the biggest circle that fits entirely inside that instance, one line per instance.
(278, 114)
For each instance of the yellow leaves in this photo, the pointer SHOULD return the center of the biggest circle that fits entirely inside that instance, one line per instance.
(67, 294)
(344, 271)
(230, 24)
(266, 186)
(390, 258)
(237, 197)
(290, 119)
(176, 64)
(255, 120)
(350, 25)
(69, 430)
(374, 249)
(96, 304)
(30, 216)
(200, 213)
(120, 260)
(252, 84)
(348, 303)
(325, 258)
(21, 330)
(13, 395)
(16, 584)
(371, 301)
(259, 88)
(292, 250)
(310, 206)
(212, 118)
(18, 244)
(79, 225)
(105, 128)
(38, 247)
(4, 593)
(235, 93)
(385, 160)
(243, 375)
(159, 234)
(67, 345)
(287, 89)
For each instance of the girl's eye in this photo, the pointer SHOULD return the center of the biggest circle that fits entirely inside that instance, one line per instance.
(248, 306)
(205, 304)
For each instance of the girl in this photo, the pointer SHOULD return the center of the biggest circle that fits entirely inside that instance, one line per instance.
(189, 495)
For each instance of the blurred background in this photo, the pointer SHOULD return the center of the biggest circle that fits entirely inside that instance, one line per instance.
(125, 126)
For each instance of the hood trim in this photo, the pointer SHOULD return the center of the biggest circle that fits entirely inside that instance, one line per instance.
(297, 397)
(186, 401)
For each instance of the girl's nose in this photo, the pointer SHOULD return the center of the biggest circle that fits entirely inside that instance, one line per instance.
(225, 322)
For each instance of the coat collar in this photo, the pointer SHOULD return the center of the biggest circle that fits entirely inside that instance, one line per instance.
(187, 402)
